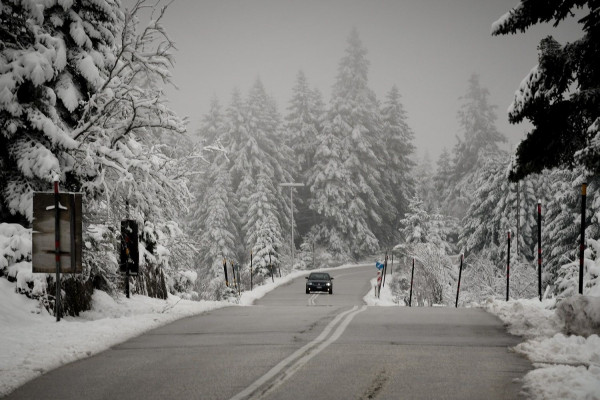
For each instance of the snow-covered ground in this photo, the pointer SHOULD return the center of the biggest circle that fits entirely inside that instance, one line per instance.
(34, 343)
(566, 366)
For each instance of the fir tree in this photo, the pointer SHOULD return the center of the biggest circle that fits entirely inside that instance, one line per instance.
(398, 143)
(218, 220)
(347, 189)
(560, 96)
(212, 124)
(480, 141)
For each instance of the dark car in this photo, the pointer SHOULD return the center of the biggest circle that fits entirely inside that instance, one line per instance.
(319, 282)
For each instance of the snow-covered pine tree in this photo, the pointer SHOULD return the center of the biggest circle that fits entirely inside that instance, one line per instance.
(480, 141)
(494, 211)
(264, 233)
(212, 124)
(217, 227)
(303, 124)
(82, 98)
(442, 176)
(254, 138)
(560, 232)
(560, 95)
(54, 58)
(398, 140)
(347, 187)
(423, 176)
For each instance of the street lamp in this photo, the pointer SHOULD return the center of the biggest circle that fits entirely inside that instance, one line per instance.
(292, 185)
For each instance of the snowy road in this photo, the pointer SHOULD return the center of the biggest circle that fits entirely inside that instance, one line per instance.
(297, 346)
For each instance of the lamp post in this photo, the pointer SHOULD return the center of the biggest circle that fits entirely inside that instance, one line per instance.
(292, 185)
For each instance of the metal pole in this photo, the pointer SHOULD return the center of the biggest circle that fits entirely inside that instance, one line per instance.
(313, 251)
(459, 276)
(539, 221)
(508, 268)
(582, 242)
(392, 266)
(291, 185)
(57, 247)
(412, 275)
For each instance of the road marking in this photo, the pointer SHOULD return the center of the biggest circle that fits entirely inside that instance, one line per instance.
(299, 358)
(312, 300)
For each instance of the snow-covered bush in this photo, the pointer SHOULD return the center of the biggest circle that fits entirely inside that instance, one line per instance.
(399, 284)
(15, 245)
(435, 276)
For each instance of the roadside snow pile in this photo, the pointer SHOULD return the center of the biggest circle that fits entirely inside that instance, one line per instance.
(386, 298)
(34, 343)
(580, 315)
(567, 367)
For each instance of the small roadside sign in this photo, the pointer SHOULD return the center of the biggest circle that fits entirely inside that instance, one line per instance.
(43, 235)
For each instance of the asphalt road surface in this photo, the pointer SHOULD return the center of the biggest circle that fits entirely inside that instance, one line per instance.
(292, 345)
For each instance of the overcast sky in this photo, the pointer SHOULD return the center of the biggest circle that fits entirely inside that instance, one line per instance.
(428, 48)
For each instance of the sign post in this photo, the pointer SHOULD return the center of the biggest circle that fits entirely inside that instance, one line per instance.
(56, 236)
(129, 251)
(57, 246)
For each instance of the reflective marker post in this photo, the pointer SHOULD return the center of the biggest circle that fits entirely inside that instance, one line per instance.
(225, 270)
(459, 276)
(539, 221)
(582, 242)
(250, 270)
(508, 268)
(412, 275)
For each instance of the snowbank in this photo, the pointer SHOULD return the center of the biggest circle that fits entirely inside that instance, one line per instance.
(386, 298)
(580, 315)
(567, 367)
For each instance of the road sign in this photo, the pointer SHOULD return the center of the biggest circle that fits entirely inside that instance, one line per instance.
(130, 257)
(43, 235)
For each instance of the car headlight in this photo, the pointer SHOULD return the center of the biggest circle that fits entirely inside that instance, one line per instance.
(329, 284)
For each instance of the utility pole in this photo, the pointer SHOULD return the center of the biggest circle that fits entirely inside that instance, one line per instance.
(292, 185)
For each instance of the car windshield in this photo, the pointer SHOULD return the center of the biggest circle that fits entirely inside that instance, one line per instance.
(322, 277)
